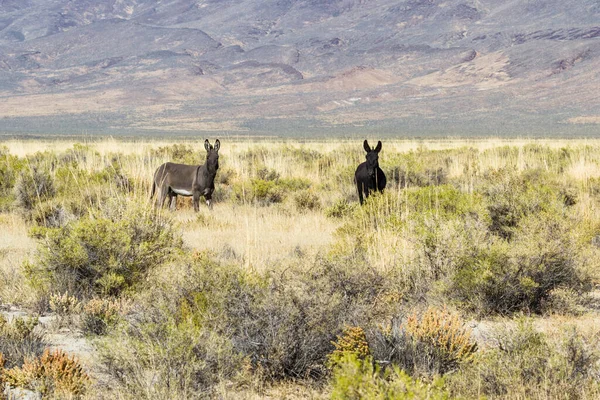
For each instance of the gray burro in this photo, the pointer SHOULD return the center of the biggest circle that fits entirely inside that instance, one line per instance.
(173, 179)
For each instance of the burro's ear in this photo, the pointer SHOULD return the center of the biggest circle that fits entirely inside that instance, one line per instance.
(378, 148)
(366, 146)
(207, 145)
(217, 145)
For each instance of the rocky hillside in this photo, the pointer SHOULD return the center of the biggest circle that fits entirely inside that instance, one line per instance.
(301, 67)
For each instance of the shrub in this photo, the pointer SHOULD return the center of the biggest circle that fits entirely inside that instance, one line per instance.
(50, 215)
(404, 179)
(352, 341)
(114, 176)
(104, 255)
(65, 307)
(270, 189)
(18, 340)
(307, 200)
(52, 374)
(506, 278)
(33, 187)
(356, 378)
(179, 153)
(266, 191)
(445, 332)
(287, 328)
(434, 343)
(565, 301)
(214, 318)
(340, 209)
(173, 337)
(512, 197)
(527, 364)
(98, 315)
(267, 174)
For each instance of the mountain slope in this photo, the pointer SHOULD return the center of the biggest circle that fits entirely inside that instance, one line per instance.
(412, 67)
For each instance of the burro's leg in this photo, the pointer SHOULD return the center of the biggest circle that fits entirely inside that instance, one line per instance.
(196, 201)
(164, 191)
(208, 197)
(173, 201)
(367, 189)
(360, 193)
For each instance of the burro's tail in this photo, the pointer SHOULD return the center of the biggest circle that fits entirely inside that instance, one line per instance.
(153, 190)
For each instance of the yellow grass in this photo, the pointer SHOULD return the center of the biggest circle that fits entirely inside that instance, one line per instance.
(258, 236)
(262, 237)
(236, 144)
(15, 247)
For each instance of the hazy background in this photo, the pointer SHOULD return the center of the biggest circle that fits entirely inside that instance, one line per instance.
(300, 67)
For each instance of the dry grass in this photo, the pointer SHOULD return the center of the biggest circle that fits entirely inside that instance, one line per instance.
(237, 144)
(257, 236)
(263, 237)
(260, 236)
(15, 246)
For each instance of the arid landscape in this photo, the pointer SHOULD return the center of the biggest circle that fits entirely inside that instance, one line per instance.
(300, 67)
(474, 275)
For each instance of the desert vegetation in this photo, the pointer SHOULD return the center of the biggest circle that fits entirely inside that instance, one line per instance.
(475, 274)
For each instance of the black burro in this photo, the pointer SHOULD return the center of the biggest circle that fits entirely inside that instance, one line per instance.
(173, 179)
(368, 176)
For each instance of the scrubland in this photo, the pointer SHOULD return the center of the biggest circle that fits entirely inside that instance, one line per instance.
(475, 275)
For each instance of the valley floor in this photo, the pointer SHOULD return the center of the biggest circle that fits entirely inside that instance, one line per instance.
(458, 221)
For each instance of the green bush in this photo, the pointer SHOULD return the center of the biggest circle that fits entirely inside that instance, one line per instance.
(98, 315)
(307, 200)
(356, 378)
(506, 277)
(104, 254)
(340, 209)
(178, 334)
(214, 318)
(114, 176)
(512, 197)
(528, 364)
(33, 187)
(266, 191)
(19, 340)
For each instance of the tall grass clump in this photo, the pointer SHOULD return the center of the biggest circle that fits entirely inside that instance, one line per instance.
(354, 378)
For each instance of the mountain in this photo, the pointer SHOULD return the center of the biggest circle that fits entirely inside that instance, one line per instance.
(300, 67)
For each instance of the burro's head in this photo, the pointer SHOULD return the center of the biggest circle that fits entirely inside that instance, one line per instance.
(212, 154)
(372, 157)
